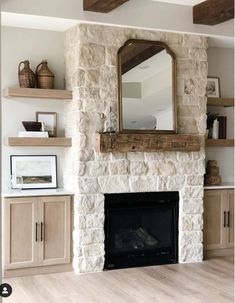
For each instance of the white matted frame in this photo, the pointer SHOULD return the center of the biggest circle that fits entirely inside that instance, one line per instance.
(38, 172)
(49, 120)
(213, 87)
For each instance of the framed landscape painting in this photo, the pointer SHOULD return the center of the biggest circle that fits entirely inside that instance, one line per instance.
(37, 172)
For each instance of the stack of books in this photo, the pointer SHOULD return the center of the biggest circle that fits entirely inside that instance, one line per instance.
(222, 127)
(33, 134)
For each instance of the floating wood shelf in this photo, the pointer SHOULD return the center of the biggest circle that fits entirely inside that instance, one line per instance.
(118, 142)
(26, 141)
(220, 102)
(37, 93)
(220, 142)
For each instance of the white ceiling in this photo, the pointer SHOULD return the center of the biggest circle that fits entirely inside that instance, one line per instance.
(149, 68)
(181, 2)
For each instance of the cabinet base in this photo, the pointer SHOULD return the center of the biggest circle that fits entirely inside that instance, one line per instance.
(32, 271)
(218, 253)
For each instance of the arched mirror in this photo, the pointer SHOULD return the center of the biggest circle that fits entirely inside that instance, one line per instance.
(147, 87)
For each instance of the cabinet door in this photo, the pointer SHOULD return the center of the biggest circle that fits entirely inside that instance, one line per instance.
(214, 232)
(54, 214)
(230, 196)
(20, 238)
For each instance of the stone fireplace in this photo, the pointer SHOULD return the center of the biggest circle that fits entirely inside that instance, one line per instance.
(91, 73)
(141, 229)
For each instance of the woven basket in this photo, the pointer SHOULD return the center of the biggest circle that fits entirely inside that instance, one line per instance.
(45, 77)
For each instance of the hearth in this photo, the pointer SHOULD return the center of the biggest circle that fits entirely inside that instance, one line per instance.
(141, 229)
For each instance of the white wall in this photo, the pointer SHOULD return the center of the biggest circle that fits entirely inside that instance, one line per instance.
(34, 45)
(221, 64)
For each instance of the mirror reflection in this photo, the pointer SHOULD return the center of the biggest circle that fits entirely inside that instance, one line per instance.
(147, 87)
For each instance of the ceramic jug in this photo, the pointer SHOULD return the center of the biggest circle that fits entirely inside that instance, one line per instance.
(27, 78)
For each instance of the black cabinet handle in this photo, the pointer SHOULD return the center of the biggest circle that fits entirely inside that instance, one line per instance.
(41, 231)
(228, 221)
(224, 218)
(36, 232)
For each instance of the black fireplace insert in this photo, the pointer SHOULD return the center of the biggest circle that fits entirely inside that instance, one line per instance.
(141, 229)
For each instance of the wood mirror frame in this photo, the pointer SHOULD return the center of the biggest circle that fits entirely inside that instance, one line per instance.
(162, 46)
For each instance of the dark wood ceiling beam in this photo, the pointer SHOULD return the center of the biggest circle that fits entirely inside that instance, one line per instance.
(102, 6)
(129, 63)
(212, 12)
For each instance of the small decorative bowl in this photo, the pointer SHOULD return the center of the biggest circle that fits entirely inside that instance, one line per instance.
(32, 126)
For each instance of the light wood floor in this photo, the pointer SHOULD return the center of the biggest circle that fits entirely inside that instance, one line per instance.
(207, 282)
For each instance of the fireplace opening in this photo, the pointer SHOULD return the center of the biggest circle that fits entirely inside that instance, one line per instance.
(141, 229)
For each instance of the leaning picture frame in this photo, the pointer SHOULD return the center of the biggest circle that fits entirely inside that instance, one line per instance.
(49, 122)
(213, 87)
(37, 172)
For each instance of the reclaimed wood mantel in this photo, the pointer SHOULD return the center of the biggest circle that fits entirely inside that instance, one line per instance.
(119, 142)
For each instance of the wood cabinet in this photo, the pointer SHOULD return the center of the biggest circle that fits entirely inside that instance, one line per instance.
(218, 231)
(36, 231)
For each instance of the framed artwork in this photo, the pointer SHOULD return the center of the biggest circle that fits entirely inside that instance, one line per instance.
(37, 172)
(49, 122)
(213, 87)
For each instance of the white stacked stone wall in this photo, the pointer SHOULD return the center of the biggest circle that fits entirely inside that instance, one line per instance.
(91, 72)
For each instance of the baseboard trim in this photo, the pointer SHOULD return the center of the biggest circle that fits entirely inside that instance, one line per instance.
(40, 270)
(218, 253)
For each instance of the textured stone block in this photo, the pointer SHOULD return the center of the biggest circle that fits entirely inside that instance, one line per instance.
(167, 169)
(152, 156)
(89, 204)
(186, 68)
(173, 38)
(192, 206)
(102, 156)
(111, 55)
(91, 264)
(94, 220)
(202, 124)
(135, 156)
(108, 77)
(88, 185)
(153, 167)
(96, 168)
(191, 253)
(118, 156)
(114, 184)
(195, 180)
(79, 169)
(90, 236)
(118, 167)
(91, 55)
(78, 78)
(187, 126)
(195, 41)
(191, 222)
(190, 237)
(188, 110)
(143, 183)
(162, 183)
(93, 77)
(193, 192)
(138, 168)
(176, 182)
(86, 155)
(93, 250)
(190, 87)
(197, 54)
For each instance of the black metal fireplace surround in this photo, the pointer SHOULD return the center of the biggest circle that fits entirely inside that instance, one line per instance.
(141, 229)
